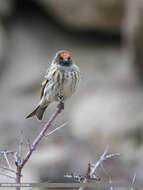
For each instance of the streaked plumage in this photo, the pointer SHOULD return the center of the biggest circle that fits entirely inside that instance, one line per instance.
(60, 82)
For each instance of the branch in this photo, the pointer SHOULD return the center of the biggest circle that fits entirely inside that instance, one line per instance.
(133, 182)
(102, 158)
(90, 175)
(42, 134)
(53, 131)
(94, 167)
(19, 153)
(7, 161)
(4, 154)
(20, 163)
(6, 175)
(17, 156)
(8, 169)
(7, 152)
(110, 182)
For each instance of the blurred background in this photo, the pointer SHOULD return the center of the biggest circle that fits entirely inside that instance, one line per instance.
(105, 39)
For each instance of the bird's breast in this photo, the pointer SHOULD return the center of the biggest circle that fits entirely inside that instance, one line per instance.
(65, 83)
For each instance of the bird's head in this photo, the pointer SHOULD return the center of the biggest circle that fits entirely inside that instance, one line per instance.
(63, 58)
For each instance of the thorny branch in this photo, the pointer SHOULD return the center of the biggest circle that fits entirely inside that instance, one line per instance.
(4, 155)
(102, 158)
(11, 177)
(7, 169)
(39, 137)
(7, 161)
(133, 182)
(53, 131)
(90, 175)
(17, 156)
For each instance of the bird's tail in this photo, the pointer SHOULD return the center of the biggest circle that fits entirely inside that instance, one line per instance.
(39, 111)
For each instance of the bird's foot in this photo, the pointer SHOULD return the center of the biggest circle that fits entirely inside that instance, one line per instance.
(61, 106)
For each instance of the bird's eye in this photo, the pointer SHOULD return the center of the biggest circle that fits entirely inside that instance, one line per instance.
(61, 58)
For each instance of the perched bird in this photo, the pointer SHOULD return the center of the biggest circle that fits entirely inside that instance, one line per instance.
(60, 82)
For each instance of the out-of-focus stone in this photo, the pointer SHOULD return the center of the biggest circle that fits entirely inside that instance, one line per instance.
(112, 118)
(6, 7)
(132, 32)
(3, 41)
(87, 15)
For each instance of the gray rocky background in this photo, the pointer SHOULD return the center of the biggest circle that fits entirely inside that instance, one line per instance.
(105, 38)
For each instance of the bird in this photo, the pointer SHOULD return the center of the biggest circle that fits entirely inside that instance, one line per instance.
(60, 82)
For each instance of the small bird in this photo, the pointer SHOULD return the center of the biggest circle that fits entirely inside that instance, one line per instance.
(61, 81)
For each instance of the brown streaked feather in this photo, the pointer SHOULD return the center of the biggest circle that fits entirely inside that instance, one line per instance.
(43, 87)
(33, 113)
(38, 112)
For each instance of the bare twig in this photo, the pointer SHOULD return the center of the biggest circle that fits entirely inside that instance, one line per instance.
(111, 156)
(15, 157)
(110, 182)
(93, 167)
(39, 137)
(21, 164)
(133, 182)
(8, 169)
(53, 131)
(19, 154)
(6, 152)
(5, 156)
(101, 159)
(6, 175)
(7, 161)
(28, 143)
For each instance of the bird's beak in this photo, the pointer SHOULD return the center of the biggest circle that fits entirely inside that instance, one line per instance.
(65, 59)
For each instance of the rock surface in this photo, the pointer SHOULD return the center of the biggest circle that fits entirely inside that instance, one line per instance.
(87, 15)
(133, 29)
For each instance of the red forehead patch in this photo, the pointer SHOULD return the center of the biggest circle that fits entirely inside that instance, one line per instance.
(65, 54)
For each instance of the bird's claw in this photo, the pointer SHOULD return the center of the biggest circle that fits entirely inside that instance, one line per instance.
(61, 105)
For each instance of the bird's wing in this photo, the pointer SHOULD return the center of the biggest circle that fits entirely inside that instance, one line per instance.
(43, 87)
(48, 77)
